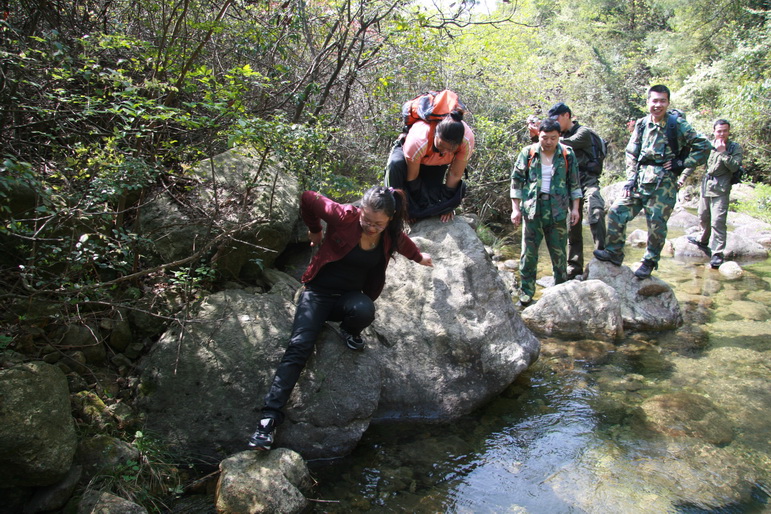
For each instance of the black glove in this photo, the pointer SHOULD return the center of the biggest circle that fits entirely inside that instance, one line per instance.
(630, 185)
(676, 166)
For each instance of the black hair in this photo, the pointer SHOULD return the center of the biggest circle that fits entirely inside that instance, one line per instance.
(391, 202)
(451, 128)
(721, 121)
(659, 88)
(549, 125)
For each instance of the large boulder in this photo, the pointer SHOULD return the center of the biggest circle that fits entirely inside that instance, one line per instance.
(445, 341)
(453, 336)
(37, 432)
(257, 203)
(648, 304)
(587, 309)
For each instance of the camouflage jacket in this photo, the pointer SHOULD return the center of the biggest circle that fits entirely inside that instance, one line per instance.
(649, 149)
(526, 181)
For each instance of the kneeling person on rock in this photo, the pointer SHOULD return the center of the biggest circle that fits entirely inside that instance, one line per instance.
(341, 283)
(545, 186)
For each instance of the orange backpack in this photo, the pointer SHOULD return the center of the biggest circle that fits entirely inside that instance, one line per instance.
(430, 106)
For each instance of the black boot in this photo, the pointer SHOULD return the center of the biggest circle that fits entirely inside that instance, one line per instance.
(608, 256)
(646, 268)
(716, 260)
(702, 246)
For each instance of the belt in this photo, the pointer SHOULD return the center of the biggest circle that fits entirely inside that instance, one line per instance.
(544, 196)
(650, 162)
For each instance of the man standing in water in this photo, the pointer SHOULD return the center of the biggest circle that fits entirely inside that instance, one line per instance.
(545, 185)
(724, 159)
(652, 168)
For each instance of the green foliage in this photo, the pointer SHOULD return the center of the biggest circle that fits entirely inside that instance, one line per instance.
(760, 206)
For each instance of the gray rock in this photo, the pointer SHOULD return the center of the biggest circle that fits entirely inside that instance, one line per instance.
(638, 238)
(100, 502)
(37, 432)
(731, 270)
(263, 482)
(102, 453)
(648, 304)
(265, 225)
(445, 341)
(738, 247)
(54, 496)
(682, 219)
(588, 309)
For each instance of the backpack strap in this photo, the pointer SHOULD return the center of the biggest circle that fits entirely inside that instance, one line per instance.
(639, 128)
(672, 135)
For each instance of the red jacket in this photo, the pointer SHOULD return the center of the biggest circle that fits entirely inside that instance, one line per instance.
(343, 233)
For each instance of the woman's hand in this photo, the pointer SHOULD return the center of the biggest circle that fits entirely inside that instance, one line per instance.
(426, 260)
(315, 237)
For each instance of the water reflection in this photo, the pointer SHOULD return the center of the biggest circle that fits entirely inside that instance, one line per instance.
(661, 422)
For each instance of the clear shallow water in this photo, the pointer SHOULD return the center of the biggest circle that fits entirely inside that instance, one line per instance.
(570, 435)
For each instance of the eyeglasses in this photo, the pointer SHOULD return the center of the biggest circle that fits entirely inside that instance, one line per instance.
(367, 223)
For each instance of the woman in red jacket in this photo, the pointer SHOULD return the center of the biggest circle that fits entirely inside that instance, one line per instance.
(341, 283)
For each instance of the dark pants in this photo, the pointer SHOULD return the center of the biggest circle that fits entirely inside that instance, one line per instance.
(590, 187)
(427, 195)
(355, 311)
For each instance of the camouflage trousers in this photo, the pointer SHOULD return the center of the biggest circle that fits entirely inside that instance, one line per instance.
(555, 233)
(713, 212)
(595, 210)
(658, 200)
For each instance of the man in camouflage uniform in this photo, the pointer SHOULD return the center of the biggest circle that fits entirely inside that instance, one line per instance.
(545, 182)
(724, 159)
(579, 139)
(652, 169)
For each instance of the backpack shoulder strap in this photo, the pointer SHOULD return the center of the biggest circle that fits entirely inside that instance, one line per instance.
(672, 134)
(565, 156)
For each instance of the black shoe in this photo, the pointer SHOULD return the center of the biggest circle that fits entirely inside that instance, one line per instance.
(262, 439)
(716, 260)
(525, 299)
(646, 268)
(353, 342)
(607, 256)
(703, 247)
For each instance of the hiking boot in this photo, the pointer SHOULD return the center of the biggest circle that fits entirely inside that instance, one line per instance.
(716, 260)
(262, 439)
(702, 246)
(646, 268)
(525, 299)
(608, 256)
(573, 273)
(351, 341)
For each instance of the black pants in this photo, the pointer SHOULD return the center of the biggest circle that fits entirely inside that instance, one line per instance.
(427, 195)
(355, 311)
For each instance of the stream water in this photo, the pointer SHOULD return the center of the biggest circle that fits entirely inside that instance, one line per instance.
(570, 434)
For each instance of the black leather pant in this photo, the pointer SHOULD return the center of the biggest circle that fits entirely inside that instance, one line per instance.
(354, 310)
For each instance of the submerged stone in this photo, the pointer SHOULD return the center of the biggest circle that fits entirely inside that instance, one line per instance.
(687, 414)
